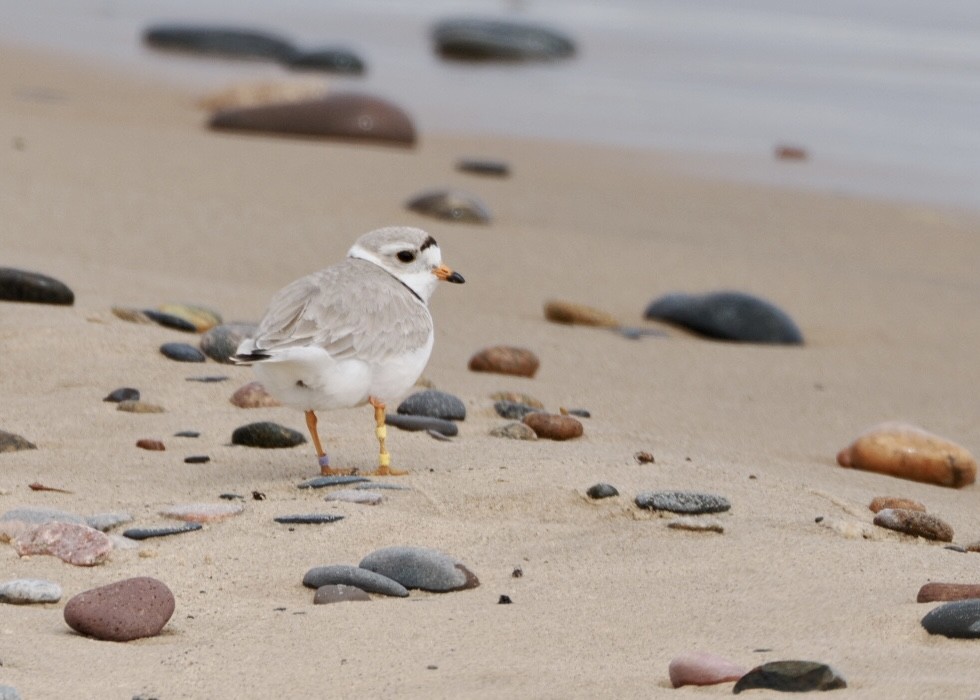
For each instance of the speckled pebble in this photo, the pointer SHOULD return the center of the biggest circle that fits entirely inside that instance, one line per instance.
(124, 393)
(182, 352)
(420, 567)
(433, 404)
(138, 407)
(959, 619)
(368, 498)
(268, 435)
(129, 609)
(602, 490)
(732, 316)
(9, 442)
(915, 523)
(26, 591)
(516, 397)
(348, 575)
(339, 593)
(76, 544)
(514, 431)
(418, 423)
(254, 395)
(682, 502)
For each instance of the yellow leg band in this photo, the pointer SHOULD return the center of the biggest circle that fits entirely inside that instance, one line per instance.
(382, 432)
(384, 460)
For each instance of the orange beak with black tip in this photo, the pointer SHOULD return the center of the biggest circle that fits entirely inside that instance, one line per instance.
(447, 275)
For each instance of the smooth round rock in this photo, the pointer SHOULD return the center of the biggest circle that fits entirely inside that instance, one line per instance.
(702, 668)
(601, 490)
(268, 435)
(450, 205)
(348, 116)
(727, 316)
(504, 359)
(915, 523)
(513, 410)
(339, 593)
(79, 545)
(791, 677)
(478, 39)
(345, 574)
(33, 287)
(230, 42)
(182, 352)
(933, 591)
(203, 512)
(124, 393)
(254, 395)
(221, 342)
(10, 442)
(882, 502)
(417, 423)
(514, 431)
(26, 591)
(959, 619)
(571, 313)
(685, 502)
(420, 567)
(553, 426)
(119, 612)
(909, 452)
(434, 404)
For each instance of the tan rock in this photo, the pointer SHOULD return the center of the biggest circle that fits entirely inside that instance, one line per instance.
(504, 359)
(909, 452)
(254, 395)
(915, 523)
(553, 427)
(882, 502)
(579, 314)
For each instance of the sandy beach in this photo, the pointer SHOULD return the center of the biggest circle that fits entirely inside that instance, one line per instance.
(114, 186)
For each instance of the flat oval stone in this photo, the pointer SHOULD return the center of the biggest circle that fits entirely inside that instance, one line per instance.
(513, 410)
(553, 426)
(145, 533)
(477, 39)
(417, 423)
(201, 318)
(727, 316)
(218, 41)
(959, 619)
(434, 404)
(132, 406)
(338, 593)
(319, 482)
(119, 612)
(792, 677)
(915, 523)
(124, 393)
(601, 490)
(368, 498)
(25, 591)
(308, 519)
(254, 395)
(203, 512)
(326, 60)
(514, 431)
(76, 544)
(197, 459)
(578, 314)
(909, 452)
(450, 205)
(933, 591)
(268, 435)
(182, 352)
(221, 342)
(482, 166)
(345, 574)
(701, 668)
(349, 116)
(169, 321)
(882, 502)
(149, 444)
(10, 442)
(686, 502)
(504, 359)
(420, 567)
(33, 287)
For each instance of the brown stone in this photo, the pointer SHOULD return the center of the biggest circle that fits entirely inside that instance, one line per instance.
(76, 544)
(553, 427)
(254, 395)
(579, 314)
(504, 359)
(934, 591)
(148, 444)
(916, 523)
(787, 152)
(129, 609)
(909, 452)
(882, 502)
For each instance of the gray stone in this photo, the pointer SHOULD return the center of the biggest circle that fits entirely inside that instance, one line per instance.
(182, 352)
(268, 435)
(20, 285)
(601, 490)
(145, 533)
(308, 519)
(416, 423)
(170, 321)
(421, 567)
(339, 593)
(450, 205)
(433, 404)
(480, 166)
(959, 619)
(107, 521)
(232, 42)
(28, 590)
(348, 575)
(124, 393)
(727, 316)
(326, 60)
(487, 39)
(13, 522)
(9, 692)
(221, 342)
(791, 677)
(682, 502)
(513, 410)
(319, 482)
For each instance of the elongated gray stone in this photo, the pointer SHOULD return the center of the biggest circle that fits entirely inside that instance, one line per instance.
(24, 591)
(476, 38)
(348, 575)
(145, 533)
(421, 567)
(959, 619)
(308, 519)
(319, 482)
(682, 502)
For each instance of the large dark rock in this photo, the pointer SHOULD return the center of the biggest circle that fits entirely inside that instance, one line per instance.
(129, 609)
(434, 404)
(486, 39)
(791, 677)
(727, 316)
(20, 285)
(266, 434)
(959, 619)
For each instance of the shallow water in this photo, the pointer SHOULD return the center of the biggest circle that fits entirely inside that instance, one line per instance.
(883, 95)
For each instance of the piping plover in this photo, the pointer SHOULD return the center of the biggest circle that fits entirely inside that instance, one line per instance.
(358, 332)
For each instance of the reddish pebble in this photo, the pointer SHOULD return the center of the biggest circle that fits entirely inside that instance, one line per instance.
(504, 359)
(882, 502)
(76, 544)
(702, 668)
(148, 444)
(915, 523)
(553, 427)
(129, 609)
(931, 592)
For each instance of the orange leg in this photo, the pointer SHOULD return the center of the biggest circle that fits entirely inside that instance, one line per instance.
(321, 456)
(384, 459)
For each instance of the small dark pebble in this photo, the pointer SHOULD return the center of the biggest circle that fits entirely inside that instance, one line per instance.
(144, 533)
(267, 435)
(182, 352)
(601, 490)
(123, 394)
(197, 459)
(517, 572)
(187, 434)
(20, 285)
(579, 412)
(232, 497)
(476, 166)
(643, 458)
(218, 40)
(416, 423)
(513, 410)
(791, 677)
(433, 404)
(170, 321)
(258, 496)
(209, 379)
(319, 482)
(504, 600)
(475, 39)
(9, 442)
(309, 519)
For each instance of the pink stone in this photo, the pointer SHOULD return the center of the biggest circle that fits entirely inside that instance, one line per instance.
(76, 544)
(129, 609)
(203, 512)
(703, 668)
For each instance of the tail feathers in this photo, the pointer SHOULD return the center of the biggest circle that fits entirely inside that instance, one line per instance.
(248, 358)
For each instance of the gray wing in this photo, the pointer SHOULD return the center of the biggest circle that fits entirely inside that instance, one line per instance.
(353, 309)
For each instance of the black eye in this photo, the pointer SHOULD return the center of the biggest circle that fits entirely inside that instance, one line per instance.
(406, 256)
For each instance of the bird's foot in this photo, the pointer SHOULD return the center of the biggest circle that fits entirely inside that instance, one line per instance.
(386, 470)
(326, 470)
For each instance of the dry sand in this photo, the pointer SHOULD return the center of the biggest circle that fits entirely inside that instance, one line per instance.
(115, 187)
